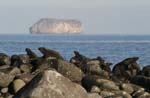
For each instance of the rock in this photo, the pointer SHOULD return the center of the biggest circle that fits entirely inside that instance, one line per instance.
(10, 96)
(94, 95)
(127, 87)
(4, 59)
(141, 94)
(106, 94)
(26, 77)
(107, 84)
(123, 94)
(95, 89)
(18, 84)
(94, 68)
(115, 96)
(145, 95)
(15, 71)
(5, 79)
(55, 26)
(105, 65)
(7, 95)
(26, 68)
(90, 80)
(50, 54)
(4, 90)
(70, 71)
(146, 71)
(51, 84)
(138, 91)
(10, 70)
(127, 68)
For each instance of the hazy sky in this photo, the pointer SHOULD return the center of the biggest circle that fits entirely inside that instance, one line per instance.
(97, 16)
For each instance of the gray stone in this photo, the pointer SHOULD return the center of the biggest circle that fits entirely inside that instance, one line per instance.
(94, 67)
(15, 71)
(10, 96)
(95, 89)
(145, 95)
(26, 77)
(70, 71)
(106, 94)
(93, 95)
(127, 87)
(107, 84)
(92, 80)
(5, 79)
(51, 84)
(26, 68)
(123, 94)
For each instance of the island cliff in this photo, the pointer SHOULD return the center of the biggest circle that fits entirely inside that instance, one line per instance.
(56, 26)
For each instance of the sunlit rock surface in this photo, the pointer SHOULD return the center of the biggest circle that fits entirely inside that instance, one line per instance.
(52, 84)
(56, 26)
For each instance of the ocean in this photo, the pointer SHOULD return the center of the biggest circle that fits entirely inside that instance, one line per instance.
(112, 48)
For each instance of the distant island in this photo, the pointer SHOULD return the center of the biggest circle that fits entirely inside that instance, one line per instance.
(56, 26)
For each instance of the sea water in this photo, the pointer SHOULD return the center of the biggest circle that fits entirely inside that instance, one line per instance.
(112, 48)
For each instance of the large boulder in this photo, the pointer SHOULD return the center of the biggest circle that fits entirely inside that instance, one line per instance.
(70, 71)
(93, 67)
(92, 80)
(105, 65)
(51, 84)
(5, 79)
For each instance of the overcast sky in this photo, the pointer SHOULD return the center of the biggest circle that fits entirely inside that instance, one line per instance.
(97, 16)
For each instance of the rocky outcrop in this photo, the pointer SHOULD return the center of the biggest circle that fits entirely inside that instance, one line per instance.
(56, 26)
(51, 76)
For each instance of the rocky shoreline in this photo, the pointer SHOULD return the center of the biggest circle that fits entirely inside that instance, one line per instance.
(50, 76)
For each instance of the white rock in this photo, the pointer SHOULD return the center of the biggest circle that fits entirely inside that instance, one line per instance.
(50, 25)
